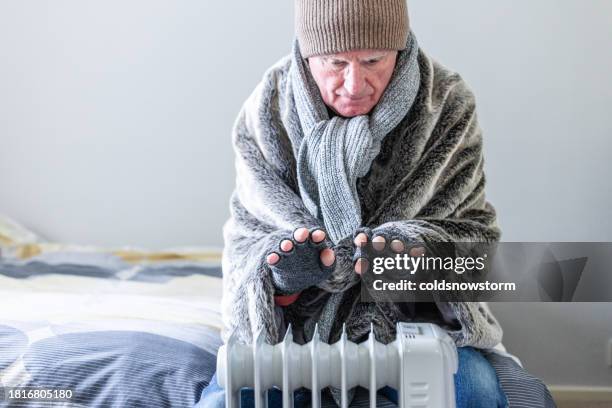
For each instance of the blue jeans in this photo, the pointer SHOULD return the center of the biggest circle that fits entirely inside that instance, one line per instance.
(476, 386)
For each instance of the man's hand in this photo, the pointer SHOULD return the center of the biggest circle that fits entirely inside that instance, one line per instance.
(378, 243)
(300, 235)
(303, 260)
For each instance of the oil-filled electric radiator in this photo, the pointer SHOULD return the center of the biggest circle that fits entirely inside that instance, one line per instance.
(420, 364)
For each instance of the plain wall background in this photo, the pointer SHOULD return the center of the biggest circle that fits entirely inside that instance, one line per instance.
(115, 122)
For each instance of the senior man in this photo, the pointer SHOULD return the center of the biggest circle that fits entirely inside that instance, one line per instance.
(358, 136)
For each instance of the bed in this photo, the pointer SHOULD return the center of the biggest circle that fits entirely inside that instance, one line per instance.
(118, 328)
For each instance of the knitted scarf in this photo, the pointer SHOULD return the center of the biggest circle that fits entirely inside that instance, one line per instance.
(335, 152)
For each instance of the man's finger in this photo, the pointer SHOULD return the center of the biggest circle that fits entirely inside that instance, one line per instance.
(360, 240)
(397, 246)
(318, 236)
(286, 245)
(378, 242)
(272, 258)
(328, 257)
(417, 251)
(300, 234)
(361, 266)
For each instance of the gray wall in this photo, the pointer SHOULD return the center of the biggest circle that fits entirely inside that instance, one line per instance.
(115, 119)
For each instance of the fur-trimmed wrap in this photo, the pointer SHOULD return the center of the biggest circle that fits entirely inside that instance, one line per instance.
(427, 183)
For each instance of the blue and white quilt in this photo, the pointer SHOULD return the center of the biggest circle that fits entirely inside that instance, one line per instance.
(114, 334)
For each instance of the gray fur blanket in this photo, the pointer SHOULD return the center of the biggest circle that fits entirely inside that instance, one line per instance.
(426, 183)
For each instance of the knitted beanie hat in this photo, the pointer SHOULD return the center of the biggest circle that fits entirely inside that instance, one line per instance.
(333, 26)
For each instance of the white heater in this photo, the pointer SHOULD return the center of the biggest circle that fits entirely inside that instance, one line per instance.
(420, 364)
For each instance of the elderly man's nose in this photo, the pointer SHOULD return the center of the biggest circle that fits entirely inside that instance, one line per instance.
(354, 80)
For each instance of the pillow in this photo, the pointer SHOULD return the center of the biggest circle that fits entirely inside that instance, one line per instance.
(115, 368)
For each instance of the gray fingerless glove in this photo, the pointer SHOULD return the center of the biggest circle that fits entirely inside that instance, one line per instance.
(301, 267)
(391, 234)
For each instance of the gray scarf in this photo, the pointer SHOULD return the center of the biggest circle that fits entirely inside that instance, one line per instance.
(335, 152)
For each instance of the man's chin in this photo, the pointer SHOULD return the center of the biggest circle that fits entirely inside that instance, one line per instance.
(350, 111)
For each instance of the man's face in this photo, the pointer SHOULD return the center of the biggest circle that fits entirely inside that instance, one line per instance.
(351, 83)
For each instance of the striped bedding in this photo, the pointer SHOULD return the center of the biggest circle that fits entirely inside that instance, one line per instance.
(115, 333)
